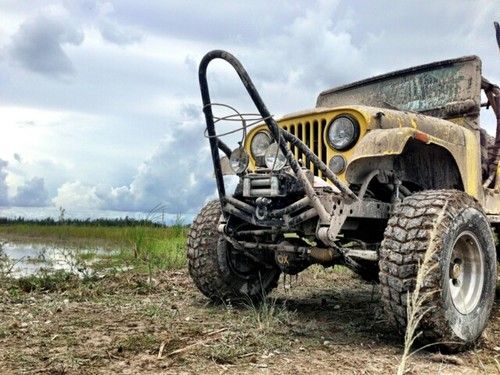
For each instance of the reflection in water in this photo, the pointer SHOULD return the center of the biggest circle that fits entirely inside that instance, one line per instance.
(17, 260)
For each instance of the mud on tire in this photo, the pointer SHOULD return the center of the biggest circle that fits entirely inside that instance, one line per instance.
(217, 272)
(458, 308)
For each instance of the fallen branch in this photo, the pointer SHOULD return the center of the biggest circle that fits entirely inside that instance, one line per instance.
(160, 351)
(199, 342)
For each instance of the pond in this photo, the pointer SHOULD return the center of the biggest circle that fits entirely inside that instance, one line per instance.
(21, 259)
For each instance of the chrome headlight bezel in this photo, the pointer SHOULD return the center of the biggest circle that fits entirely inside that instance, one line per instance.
(341, 144)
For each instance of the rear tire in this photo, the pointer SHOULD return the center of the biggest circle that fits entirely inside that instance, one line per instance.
(460, 290)
(218, 271)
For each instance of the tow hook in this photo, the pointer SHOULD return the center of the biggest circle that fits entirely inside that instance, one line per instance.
(261, 210)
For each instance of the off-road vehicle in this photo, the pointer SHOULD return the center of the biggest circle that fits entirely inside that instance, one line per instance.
(379, 172)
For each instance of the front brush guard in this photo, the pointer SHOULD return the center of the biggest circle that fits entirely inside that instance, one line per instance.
(279, 135)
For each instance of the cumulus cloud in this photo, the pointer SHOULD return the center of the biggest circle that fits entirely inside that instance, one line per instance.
(38, 45)
(178, 175)
(318, 51)
(31, 194)
(179, 183)
(77, 195)
(292, 52)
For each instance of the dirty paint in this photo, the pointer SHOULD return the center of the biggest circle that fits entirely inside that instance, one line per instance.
(443, 89)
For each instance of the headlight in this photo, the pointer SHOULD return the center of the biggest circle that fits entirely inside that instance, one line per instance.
(238, 160)
(260, 143)
(343, 132)
(337, 164)
(275, 159)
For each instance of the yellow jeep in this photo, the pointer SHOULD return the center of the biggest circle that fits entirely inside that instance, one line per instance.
(385, 176)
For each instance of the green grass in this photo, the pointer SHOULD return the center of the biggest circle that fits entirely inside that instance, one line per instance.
(86, 234)
(144, 248)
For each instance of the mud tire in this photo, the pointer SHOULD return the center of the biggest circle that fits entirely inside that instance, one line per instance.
(210, 264)
(408, 237)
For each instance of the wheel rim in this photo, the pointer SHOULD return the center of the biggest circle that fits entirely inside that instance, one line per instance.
(466, 273)
(241, 266)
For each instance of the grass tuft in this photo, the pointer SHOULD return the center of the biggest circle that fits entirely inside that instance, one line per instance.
(416, 301)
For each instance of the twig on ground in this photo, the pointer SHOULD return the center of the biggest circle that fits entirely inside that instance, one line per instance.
(160, 351)
(210, 337)
(497, 364)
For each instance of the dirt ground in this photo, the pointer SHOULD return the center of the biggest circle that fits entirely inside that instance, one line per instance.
(324, 321)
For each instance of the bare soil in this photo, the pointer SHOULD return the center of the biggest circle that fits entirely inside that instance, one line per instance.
(324, 321)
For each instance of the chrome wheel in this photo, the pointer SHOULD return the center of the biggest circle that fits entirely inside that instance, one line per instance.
(466, 273)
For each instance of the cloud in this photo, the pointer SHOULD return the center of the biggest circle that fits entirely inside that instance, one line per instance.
(124, 138)
(31, 194)
(179, 183)
(4, 189)
(77, 195)
(113, 33)
(37, 45)
(178, 175)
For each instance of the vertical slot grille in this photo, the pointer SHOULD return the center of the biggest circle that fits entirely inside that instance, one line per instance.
(311, 133)
(299, 136)
(315, 143)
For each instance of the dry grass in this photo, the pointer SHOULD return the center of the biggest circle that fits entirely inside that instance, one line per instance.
(325, 323)
(417, 300)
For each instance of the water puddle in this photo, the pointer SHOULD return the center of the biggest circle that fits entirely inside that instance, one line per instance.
(20, 260)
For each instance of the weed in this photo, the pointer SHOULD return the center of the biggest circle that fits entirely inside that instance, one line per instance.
(6, 264)
(268, 313)
(138, 343)
(416, 301)
(46, 281)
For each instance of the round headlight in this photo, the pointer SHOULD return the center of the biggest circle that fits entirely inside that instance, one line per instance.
(275, 159)
(337, 164)
(343, 132)
(260, 143)
(238, 160)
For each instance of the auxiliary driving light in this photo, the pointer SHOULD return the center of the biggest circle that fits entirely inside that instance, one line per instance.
(343, 132)
(238, 160)
(275, 159)
(260, 143)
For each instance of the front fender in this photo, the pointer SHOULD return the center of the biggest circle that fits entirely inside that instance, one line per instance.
(376, 150)
(379, 147)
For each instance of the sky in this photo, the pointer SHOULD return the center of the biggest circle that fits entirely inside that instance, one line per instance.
(99, 100)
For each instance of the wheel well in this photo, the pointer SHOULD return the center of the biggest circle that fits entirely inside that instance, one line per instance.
(427, 166)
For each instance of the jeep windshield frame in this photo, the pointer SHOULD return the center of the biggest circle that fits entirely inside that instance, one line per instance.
(445, 89)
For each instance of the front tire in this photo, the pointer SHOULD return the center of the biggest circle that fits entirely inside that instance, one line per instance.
(460, 285)
(218, 271)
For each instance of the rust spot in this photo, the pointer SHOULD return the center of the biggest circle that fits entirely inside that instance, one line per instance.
(422, 137)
